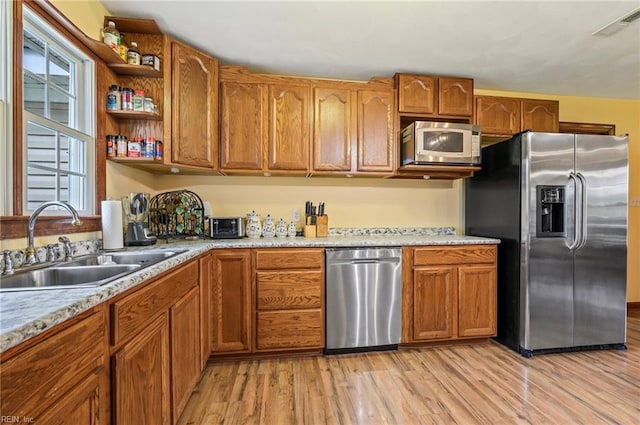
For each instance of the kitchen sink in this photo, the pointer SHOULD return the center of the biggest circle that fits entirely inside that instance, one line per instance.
(65, 277)
(141, 258)
(88, 271)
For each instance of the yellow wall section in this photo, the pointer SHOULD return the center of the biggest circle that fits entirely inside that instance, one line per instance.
(88, 15)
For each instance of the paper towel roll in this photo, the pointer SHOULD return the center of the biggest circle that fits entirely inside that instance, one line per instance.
(112, 232)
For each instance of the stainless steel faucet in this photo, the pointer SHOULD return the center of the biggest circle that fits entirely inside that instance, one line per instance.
(30, 251)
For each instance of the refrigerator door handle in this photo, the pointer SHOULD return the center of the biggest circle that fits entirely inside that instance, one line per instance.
(583, 220)
(577, 212)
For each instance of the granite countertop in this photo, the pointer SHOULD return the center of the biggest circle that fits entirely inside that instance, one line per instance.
(24, 314)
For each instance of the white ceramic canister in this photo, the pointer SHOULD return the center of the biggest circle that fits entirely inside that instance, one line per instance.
(254, 229)
(281, 229)
(269, 228)
(291, 230)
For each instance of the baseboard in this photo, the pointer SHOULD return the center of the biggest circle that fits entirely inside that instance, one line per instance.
(635, 305)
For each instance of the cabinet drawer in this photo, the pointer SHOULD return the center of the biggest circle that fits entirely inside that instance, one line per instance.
(286, 290)
(290, 329)
(289, 259)
(462, 254)
(130, 313)
(40, 375)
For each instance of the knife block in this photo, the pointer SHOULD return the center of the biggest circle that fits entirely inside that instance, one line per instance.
(322, 226)
(310, 231)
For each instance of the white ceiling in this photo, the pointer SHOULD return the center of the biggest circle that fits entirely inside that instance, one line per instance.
(518, 45)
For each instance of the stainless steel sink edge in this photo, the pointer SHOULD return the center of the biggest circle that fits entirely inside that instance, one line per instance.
(73, 266)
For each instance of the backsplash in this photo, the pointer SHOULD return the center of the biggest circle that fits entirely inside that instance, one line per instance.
(78, 248)
(404, 231)
(95, 245)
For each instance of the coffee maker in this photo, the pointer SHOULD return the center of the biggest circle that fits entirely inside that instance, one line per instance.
(136, 212)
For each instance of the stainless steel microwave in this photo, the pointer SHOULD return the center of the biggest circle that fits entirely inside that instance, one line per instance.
(426, 142)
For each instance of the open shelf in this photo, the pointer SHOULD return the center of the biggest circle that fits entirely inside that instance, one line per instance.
(135, 115)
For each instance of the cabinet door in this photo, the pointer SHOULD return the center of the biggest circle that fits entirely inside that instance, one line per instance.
(375, 133)
(231, 295)
(206, 285)
(417, 94)
(433, 303)
(86, 404)
(499, 116)
(288, 128)
(185, 349)
(194, 113)
(540, 115)
(141, 377)
(334, 129)
(477, 301)
(242, 121)
(455, 96)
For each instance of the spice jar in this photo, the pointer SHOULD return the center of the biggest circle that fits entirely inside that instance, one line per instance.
(133, 55)
(138, 100)
(127, 99)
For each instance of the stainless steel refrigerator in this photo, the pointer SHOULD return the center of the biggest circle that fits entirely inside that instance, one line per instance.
(558, 202)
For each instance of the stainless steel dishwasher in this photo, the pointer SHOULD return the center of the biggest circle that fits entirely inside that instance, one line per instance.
(363, 299)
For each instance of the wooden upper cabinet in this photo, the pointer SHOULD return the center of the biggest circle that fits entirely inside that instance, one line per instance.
(455, 96)
(376, 145)
(540, 115)
(499, 116)
(194, 118)
(417, 93)
(434, 96)
(242, 121)
(288, 128)
(506, 116)
(334, 129)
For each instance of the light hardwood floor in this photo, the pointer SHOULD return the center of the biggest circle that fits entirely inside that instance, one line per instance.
(479, 384)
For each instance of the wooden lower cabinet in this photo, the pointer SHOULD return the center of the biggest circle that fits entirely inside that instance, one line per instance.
(449, 292)
(185, 348)
(141, 377)
(83, 405)
(206, 286)
(61, 376)
(231, 308)
(289, 299)
(156, 352)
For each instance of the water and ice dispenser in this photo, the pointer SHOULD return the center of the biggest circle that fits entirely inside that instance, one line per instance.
(550, 211)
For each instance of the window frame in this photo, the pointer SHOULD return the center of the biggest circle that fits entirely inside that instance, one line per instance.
(14, 223)
(82, 128)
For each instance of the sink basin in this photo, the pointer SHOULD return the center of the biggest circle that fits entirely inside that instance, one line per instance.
(88, 271)
(65, 277)
(141, 258)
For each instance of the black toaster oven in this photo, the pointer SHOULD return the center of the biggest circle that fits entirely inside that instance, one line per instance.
(226, 227)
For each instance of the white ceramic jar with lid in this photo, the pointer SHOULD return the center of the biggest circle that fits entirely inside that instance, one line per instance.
(254, 229)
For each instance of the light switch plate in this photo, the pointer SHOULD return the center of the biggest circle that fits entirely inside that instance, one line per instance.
(295, 215)
(634, 202)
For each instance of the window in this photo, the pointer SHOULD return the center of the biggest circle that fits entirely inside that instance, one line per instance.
(58, 127)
